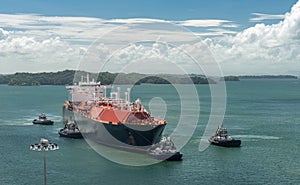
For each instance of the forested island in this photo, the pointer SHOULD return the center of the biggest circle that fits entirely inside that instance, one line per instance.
(268, 77)
(230, 78)
(67, 77)
(241, 77)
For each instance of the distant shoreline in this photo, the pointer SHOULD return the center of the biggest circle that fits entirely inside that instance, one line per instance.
(66, 77)
(268, 77)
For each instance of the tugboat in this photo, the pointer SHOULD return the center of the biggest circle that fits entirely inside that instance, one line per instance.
(42, 120)
(165, 150)
(70, 130)
(222, 138)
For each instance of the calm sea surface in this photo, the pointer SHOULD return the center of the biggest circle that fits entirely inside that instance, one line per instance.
(264, 114)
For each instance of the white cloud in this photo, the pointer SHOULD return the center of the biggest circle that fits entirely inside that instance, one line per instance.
(216, 32)
(262, 48)
(3, 34)
(231, 25)
(203, 23)
(51, 26)
(207, 23)
(261, 17)
(28, 53)
(29, 42)
(190, 23)
(135, 20)
(144, 57)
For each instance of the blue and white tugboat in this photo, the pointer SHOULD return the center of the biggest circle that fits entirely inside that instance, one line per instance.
(165, 150)
(42, 120)
(70, 130)
(222, 138)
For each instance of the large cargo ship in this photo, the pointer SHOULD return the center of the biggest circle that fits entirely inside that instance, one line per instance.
(111, 120)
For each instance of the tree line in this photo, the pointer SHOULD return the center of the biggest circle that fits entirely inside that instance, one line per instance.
(70, 76)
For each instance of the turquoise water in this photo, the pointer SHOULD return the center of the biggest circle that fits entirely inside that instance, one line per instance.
(264, 114)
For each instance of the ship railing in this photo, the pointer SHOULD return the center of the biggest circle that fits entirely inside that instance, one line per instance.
(146, 122)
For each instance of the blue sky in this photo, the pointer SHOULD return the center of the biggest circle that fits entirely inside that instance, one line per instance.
(239, 11)
(228, 27)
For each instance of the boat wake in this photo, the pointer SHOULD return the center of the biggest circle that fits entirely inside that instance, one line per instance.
(256, 137)
(16, 124)
(26, 121)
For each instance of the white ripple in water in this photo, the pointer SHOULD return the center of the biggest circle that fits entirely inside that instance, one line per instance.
(255, 137)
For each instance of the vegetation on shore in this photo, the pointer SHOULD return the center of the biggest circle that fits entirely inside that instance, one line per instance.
(67, 77)
(70, 76)
(268, 77)
(230, 78)
(31, 79)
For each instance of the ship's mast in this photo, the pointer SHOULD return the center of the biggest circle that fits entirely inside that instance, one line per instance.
(128, 94)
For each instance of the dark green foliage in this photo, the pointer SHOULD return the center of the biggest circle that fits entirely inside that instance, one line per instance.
(269, 77)
(200, 80)
(154, 80)
(106, 78)
(29, 79)
(70, 76)
(230, 78)
(4, 79)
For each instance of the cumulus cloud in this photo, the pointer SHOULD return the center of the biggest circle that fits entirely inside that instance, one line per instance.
(145, 57)
(29, 42)
(262, 48)
(3, 34)
(28, 53)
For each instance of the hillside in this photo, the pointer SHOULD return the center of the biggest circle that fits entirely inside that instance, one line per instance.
(67, 77)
